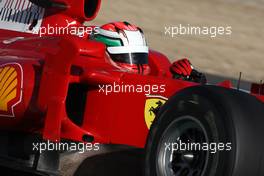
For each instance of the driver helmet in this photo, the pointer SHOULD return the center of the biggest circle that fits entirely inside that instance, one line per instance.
(126, 46)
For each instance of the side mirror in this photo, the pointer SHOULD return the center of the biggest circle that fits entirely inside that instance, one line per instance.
(49, 4)
(84, 10)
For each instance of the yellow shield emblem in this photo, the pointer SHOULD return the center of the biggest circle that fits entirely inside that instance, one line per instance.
(152, 105)
(10, 88)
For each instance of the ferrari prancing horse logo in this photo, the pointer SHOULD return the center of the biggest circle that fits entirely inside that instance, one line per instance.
(10, 88)
(152, 106)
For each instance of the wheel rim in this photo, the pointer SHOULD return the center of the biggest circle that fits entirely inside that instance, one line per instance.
(171, 161)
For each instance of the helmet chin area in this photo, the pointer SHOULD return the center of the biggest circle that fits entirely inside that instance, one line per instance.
(132, 62)
(142, 69)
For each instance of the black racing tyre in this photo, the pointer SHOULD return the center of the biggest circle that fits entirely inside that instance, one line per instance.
(207, 131)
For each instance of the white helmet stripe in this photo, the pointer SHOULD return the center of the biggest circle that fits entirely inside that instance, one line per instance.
(134, 38)
(127, 49)
(110, 34)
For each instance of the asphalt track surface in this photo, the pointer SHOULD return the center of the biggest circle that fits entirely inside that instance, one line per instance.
(110, 160)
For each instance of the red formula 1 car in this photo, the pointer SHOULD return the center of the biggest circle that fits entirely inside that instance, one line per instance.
(62, 88)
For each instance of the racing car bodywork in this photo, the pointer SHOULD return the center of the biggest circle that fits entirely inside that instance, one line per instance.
(61, 86)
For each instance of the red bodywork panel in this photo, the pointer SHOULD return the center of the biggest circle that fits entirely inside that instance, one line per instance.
(43, 69)
(113, 118)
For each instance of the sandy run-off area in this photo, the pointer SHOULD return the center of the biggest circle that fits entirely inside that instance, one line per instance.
(224, 55)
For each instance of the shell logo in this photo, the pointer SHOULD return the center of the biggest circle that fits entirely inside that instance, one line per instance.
(152, 106)
(10, 88)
